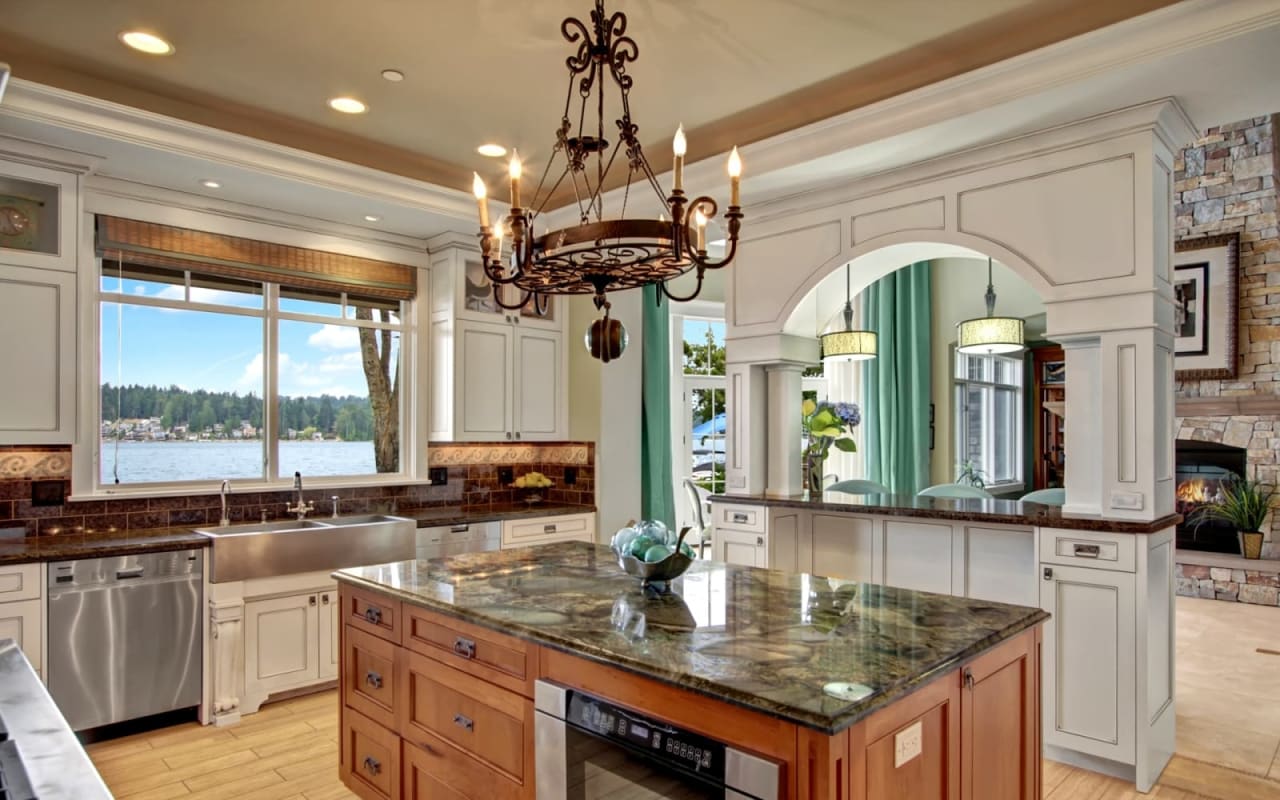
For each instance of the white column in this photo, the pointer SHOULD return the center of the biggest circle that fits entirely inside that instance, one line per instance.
(1082, 417)
(785, 397)
(746, 412)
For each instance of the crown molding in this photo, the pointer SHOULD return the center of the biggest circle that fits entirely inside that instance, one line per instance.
(45, 104)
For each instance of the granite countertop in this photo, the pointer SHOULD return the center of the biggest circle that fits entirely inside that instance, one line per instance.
(813, 651)
(55, 763)
(1004, 512)
(431, 517)
(66, 546)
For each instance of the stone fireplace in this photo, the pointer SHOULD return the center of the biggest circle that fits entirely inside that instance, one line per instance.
(1203, 468)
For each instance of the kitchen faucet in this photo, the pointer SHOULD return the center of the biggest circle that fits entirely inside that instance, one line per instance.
(300, 508)
(225, 519)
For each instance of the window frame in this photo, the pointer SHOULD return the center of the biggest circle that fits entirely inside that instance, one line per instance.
(960, 431)
(87, 451)
(682, 386)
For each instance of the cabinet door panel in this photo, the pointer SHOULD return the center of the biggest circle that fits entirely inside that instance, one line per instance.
(917, 555)
(538, 400)
(281, 649)
(328, 637)
(37, 308)
(21, 622)
(842, 546)
(1000, 743)
(1089, 652)
(1000, 565)
(740, 547)
(484, 376)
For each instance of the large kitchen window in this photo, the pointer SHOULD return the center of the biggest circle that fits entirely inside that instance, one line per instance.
(989, 419)
(704, 419)
(206, 377)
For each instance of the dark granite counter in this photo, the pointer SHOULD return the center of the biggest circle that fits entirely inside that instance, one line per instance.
(55, 763)
(813, 651)
(431, 517)
(65, 546)
(1002, 512)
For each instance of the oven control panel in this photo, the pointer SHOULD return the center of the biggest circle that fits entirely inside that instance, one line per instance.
(658, 740)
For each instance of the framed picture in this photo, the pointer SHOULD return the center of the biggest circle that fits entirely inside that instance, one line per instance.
(1206, 299)
(1054, 373)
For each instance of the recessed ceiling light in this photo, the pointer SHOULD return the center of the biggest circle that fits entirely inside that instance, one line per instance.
(371, 217)
(393, 75)
(492, 150)
(210, 184)
(347, 105)
(146, 43)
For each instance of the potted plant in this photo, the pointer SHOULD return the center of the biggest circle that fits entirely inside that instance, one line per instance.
(971, 474)
(825, 424)
(1244, 504)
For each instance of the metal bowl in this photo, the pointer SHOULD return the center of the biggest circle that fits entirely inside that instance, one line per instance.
(669, 568)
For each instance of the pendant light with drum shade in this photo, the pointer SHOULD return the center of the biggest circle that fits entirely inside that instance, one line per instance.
(990, 334)
(848, 344)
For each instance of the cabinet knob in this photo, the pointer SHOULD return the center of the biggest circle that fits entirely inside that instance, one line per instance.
(968, 678)
(508, 435)
(1048, 573)
(373, 679)
(759, 541)
(517, 434)
(464, 647)
(371, 765)
(324, 598)
(313, 600)
(373, 615)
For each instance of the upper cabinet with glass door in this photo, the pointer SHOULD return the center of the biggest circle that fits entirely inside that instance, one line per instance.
(476, 300)
(38, 216)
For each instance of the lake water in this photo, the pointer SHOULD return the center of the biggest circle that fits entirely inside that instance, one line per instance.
(152, 462)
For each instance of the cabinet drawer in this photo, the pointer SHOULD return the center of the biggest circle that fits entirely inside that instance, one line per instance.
(1087, 549)
(369, 677)
(440, 771)
(372, 613)
(740, 518)
(499, 659)
(19, 582)
(548, 529)
(489, 723)
(370, 758)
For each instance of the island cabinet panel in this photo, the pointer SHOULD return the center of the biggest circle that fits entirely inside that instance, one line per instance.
(370, 685)
(436, 770)
(488, 722)
(892, 767)
(372, 613)
(502, 660)
(370, 758)
(1000, 723)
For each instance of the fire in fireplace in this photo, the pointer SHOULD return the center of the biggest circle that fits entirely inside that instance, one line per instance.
(1202, 469)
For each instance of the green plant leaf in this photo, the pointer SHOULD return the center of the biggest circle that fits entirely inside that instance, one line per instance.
(846, 445)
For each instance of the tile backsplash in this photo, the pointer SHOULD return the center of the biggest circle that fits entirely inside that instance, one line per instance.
(473, 484)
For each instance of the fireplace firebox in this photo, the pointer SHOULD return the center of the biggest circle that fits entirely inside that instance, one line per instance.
(1202, 468)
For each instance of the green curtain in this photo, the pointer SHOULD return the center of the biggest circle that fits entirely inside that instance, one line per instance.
(657, 497)
(897, 382)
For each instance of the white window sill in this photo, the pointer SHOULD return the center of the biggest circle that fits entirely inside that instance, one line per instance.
(239, 487)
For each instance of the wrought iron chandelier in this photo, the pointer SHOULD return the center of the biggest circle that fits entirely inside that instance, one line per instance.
(599, 255)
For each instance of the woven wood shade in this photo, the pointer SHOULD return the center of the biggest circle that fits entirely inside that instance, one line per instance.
(150, 244)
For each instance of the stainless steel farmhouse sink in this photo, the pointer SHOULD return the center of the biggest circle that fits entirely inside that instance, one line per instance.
(268, 549)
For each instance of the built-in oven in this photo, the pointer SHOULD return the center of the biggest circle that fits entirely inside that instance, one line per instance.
(588, 748)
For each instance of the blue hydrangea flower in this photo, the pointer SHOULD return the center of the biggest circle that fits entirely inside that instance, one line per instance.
(849, 414)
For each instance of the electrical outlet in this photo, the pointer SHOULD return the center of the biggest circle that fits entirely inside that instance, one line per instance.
(1130, 501)
(439, 476)
(907, 744)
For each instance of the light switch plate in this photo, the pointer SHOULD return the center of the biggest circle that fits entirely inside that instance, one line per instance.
(907, 744)
(1130, 501)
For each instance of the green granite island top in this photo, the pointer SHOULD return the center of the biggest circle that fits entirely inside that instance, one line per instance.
(817, 652)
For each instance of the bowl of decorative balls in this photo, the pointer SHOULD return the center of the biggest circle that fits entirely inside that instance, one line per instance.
(652, 552)
(531, 486)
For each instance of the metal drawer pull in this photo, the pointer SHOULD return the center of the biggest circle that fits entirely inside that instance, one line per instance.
(465, 723)
(1087, 550)
(459, 529)
(740, 518)
(125, 574)
(968, 679)
(464, 647)
(324, 598)
(371, 765)
(373, 615)
(548, 528)
(373, 679)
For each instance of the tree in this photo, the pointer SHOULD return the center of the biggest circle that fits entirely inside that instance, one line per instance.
(383, 375)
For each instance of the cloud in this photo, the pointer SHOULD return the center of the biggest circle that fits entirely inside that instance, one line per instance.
(335, 337)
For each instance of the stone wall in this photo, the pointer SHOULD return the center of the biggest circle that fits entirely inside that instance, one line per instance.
(1259, 587)
(1226, 183)
(1260, 437)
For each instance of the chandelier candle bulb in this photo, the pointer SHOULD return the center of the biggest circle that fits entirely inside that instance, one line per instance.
(514, 171)
(679, 146)
(481, 193)
(700, 222)
(735, 177)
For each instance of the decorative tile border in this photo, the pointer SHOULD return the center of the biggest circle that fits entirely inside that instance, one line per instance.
(454, 454)
(18, 463)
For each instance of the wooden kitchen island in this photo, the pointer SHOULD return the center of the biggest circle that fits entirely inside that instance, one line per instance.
(855, 690)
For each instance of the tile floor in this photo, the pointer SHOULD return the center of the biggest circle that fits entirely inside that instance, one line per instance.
(1228, 733)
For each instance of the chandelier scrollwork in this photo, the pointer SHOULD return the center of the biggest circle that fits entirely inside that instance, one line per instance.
(599, 254)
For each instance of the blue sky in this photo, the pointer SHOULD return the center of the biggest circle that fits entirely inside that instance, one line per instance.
(223, 352)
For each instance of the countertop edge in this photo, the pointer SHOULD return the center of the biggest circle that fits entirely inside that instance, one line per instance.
(829, 728)
(1040, 520)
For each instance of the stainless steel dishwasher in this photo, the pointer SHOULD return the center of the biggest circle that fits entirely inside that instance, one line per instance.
(124, 636)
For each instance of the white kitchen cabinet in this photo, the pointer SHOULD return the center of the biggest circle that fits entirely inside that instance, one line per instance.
(330, 652)
(38, 323)
(843, 546)
(917, 555)
(526, 531)
(282, 644)
(47, 202)
(23, 621)
(1090, 638)
(745, 548)
(499, 374)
